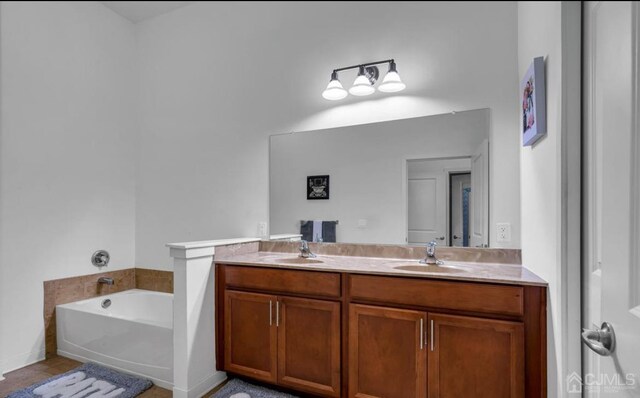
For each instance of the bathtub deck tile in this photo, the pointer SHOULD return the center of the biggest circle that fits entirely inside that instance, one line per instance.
(156, 280)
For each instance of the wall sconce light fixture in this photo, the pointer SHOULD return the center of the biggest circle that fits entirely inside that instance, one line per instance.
(364, 84)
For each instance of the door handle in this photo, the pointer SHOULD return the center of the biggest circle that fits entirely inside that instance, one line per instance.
(456, 237)
(270, 312)
(440, 238)
(602, 341)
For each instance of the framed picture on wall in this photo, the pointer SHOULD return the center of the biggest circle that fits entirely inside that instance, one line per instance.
(533, 118)
(317, 187)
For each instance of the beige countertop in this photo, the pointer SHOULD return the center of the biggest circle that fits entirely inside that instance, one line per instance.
(512, 274)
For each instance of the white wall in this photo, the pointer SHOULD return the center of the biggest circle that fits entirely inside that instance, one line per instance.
(67, 173)
(549, 176)
(217, 78)
(367, 168)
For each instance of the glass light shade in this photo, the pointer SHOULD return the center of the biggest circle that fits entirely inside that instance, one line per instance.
(391, 83)
(334, 91)
(362, 86)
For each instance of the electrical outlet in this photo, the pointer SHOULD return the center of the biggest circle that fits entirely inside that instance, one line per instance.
(262, 230)
(503, 231)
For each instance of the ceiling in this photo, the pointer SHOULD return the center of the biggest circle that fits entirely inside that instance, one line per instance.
(136, 11)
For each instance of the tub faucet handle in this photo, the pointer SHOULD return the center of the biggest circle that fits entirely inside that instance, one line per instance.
(100, 258)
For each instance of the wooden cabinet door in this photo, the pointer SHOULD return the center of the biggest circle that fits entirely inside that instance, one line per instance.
(309, 345)
(250, 337)
(387, 353)
(474, 357)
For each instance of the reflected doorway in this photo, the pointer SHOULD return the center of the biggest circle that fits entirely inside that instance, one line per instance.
(439, 201)
(459, 208)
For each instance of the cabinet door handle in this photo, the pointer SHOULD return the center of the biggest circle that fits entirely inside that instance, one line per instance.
(277, 313)
(421, 333)
(433, 336)
(270, 312)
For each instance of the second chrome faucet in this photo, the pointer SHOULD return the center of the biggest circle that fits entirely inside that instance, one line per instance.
(430, 255)
(305, 252)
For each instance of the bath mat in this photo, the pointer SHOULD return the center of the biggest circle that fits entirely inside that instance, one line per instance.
(237, 388)
(88, 380)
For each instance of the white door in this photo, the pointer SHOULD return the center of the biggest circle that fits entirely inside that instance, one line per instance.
(611, 267)
(459, 215)
(479, 217)
(427, 208)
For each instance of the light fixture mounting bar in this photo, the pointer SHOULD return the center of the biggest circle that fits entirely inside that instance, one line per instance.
(364, 65)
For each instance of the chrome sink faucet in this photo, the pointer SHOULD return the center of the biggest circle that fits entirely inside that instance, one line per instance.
(430, 255)
(305, 252)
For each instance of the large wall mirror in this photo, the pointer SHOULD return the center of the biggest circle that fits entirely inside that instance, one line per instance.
(405, 181)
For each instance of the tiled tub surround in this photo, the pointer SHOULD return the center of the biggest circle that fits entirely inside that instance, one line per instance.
(68, 290)
(151, 279)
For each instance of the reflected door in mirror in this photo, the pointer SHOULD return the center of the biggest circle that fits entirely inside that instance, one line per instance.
(480, 196)
(427, 208)
(460, 197)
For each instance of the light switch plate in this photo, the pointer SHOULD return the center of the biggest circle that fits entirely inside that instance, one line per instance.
(362, 223)
(503, 231)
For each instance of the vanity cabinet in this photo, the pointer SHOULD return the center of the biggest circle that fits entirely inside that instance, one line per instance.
(331, 334)
(309, 345)
(250, 335)
(289, 341)
(464, 356)
(474, 357)
(387, 356)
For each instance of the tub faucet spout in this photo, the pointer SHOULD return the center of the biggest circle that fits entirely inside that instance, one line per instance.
(105, 280)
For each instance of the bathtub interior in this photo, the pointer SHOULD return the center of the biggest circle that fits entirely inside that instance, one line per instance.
(155, 308)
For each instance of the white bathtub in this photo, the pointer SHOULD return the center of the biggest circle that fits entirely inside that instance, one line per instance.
(134, 334)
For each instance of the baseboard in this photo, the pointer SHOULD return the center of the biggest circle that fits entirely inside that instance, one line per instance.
(21, 360)
(199, 390)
